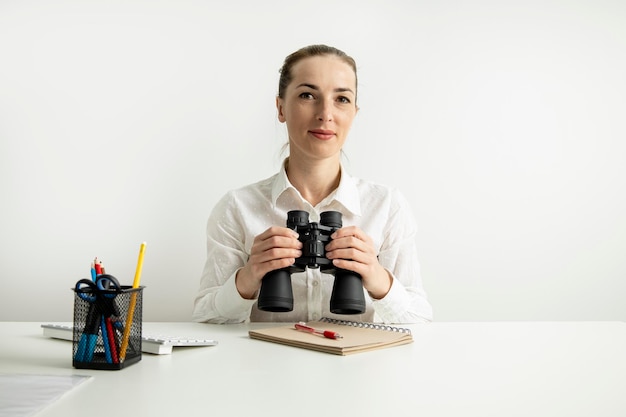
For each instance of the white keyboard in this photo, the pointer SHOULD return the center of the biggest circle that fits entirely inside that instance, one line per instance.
(150, 343)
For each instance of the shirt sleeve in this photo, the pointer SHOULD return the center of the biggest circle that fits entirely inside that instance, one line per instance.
(218, 300)
(406, 301)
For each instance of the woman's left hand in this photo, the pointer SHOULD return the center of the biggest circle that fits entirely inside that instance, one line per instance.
(354, 250)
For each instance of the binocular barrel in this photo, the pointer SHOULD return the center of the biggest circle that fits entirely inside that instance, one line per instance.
(276, 293)
(347, 295)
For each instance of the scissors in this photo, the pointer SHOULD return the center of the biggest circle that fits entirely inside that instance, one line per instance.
(102, 310)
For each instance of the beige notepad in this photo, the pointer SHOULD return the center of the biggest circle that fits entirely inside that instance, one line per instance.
(356, 336)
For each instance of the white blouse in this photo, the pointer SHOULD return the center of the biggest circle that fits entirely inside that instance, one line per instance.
(242, 214)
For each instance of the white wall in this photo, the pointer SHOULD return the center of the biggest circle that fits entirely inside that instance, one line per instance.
(502, 122)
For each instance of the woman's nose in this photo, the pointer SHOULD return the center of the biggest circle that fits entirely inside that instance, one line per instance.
(325, 113)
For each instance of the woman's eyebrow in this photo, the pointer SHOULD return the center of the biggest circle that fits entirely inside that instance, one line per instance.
(316, 88)
(311, 86)
(344, 90)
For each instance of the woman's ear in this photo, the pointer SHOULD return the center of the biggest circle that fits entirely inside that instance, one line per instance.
(279, 108)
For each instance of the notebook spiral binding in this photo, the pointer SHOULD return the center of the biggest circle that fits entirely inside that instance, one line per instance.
(374, 326)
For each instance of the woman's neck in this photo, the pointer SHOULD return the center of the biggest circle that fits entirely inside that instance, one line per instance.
(315, 180)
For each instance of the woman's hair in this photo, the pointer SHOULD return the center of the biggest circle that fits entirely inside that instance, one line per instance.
(307, 52)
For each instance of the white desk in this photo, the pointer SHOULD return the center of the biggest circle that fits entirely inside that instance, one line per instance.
(452, 369)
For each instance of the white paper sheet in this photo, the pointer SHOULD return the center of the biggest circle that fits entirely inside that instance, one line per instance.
(22, 395)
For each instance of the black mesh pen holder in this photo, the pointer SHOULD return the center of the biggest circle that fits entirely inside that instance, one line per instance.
(107, 327)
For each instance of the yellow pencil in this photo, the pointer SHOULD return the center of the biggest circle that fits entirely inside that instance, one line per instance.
(133, 302)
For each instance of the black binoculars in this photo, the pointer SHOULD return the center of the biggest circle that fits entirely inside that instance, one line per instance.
(347, 295)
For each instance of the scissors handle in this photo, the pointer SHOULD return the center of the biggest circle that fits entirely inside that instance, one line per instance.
(86, 289)
(106, 282)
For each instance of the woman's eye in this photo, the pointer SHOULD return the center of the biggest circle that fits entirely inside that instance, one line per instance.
(344, 100)
(306, 95)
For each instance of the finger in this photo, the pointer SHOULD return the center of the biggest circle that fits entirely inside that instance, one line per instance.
(350, 254)
(349, 242)
(262, 255)
(347, 231)
(277, 242)
(263, 262)
(352, 232)
(280, 253)
(278, 237)
(277, 231)
(354, 266)
(263, 268)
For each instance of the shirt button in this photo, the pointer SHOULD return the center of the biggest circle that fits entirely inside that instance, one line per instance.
(315, 283)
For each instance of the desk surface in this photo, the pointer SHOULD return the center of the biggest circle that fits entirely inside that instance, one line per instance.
(452, 369)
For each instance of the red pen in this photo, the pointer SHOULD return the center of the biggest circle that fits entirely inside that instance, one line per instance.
(326, 333)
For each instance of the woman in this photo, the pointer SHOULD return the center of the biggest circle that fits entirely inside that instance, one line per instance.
(246, 233)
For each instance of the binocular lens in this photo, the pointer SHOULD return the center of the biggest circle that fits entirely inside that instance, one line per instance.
(331, 219)
(297, 218)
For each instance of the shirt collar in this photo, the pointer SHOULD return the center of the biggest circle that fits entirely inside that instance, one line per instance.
(346, 194)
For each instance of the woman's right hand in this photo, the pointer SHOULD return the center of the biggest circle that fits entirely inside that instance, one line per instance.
(276, 248)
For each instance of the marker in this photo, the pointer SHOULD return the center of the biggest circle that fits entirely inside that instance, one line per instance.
(326, 333)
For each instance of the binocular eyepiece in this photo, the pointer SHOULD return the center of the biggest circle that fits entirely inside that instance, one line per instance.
(276, 293)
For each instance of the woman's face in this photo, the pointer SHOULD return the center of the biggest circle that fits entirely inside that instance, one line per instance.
(318, 107)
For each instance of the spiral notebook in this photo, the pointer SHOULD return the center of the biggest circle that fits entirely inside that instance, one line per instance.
(356, 336)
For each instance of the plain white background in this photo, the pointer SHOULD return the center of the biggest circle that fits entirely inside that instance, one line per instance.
(501, 121)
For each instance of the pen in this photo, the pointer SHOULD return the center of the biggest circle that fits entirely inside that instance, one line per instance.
(105, 340)
(111, 339)
(326, 333)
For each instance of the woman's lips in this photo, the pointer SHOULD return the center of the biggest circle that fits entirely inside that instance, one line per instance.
(322, 134)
